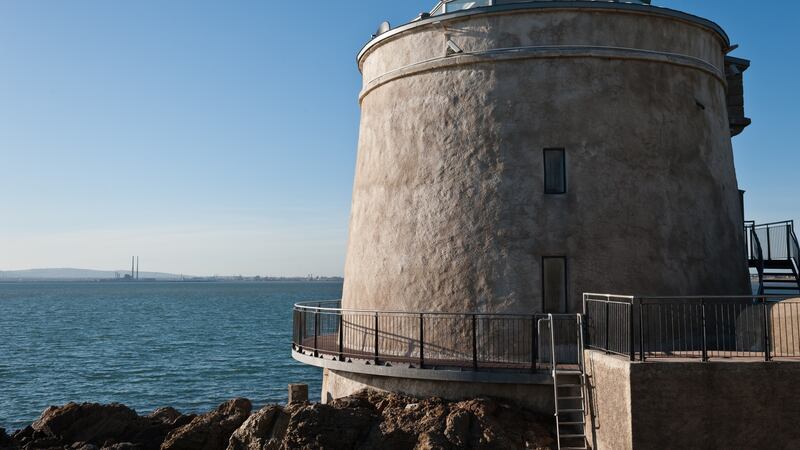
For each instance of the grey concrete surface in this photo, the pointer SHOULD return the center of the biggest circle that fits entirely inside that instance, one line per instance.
(535, 397)
(714, 405)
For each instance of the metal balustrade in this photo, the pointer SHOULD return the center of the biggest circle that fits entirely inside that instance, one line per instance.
(764, 327)
(464, 341)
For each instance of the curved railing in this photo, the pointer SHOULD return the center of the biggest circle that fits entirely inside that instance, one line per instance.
(463, 341)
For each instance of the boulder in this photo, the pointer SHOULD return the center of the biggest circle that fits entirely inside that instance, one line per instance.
(105, 425)
(86, 422)
(264, 430)
(326, 426)
(366, 420)
(5, 439)
(123, 446)
(165, 415)
(84, 446)
(372, 419)
(210, 431)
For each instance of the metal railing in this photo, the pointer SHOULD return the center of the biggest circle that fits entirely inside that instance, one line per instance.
(472, 341)
(777, 240)
(703, 328)
(755, 252)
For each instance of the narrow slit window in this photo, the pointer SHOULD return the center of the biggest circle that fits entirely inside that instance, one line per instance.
(554, 284)
(555, 171)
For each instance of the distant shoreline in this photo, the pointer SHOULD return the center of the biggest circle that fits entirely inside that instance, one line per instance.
(187, 280)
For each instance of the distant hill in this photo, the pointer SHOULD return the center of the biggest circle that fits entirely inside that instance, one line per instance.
(77, 274)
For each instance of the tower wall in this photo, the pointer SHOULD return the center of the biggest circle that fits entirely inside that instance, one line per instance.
(449, 211)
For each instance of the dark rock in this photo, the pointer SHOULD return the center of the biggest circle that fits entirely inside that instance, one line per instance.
(87, 422)
(371, 419)
(5, 439)
(104, 425)
(457, 427)
(123, 446)
(84, 446)
(210, 431)
(264, 430)
(365, 420)
(165, 415)
(329, 427)
(25, 433)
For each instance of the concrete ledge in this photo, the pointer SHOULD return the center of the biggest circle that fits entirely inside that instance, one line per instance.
(550, 5)
(405, 371)
(534, 397)
(543, 52)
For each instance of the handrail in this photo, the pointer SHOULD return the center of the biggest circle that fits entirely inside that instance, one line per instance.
(553, 362)
(461, 341)
(312, 306)
(763, 225)
(703, 327)
(759, 257)
(795, 248)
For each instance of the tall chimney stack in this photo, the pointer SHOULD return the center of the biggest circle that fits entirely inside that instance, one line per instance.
(137, 268)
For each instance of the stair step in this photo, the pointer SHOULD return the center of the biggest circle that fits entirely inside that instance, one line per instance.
(570, 410)
(573, 448)
(572, 423)
(571, 398)
(572, 436)
(569, 385)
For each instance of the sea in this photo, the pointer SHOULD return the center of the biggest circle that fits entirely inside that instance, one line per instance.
(147, 345)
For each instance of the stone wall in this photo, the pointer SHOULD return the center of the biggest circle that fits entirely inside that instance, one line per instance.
(728, 404)
(449, 211)
(535, 397)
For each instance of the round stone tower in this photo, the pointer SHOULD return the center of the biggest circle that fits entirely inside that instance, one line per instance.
(513, 156)
(516, 154)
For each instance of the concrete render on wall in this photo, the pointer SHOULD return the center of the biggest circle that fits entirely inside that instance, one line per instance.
(609, 402)
(730, 404)
(536, 397)
(449, 212)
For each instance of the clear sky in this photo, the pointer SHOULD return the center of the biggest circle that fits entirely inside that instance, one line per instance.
(220, 137)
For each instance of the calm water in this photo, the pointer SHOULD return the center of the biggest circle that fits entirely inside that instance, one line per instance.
(187, 345)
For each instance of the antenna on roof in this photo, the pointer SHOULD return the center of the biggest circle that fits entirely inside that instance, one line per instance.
(382, 28)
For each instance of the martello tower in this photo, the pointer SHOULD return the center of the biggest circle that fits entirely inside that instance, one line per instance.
(514, 154)
(516, 157)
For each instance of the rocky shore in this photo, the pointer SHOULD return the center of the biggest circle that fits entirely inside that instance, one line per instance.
(366, 420)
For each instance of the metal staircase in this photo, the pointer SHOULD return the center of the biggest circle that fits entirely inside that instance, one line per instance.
(773, 254)
(569, 387)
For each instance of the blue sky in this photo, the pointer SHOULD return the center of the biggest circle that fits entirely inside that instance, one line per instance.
(220, 137)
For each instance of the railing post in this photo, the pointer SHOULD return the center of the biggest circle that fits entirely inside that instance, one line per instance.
(641, 331)
(608, 306)
(703, 321)
(767, 343)
(341, 335)
(769, 247)
(316, 332)
(788, 243)
(631, 331)
(295, 329)
(474, 343)
(421, 341)
(376, 339)
(534, 348)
